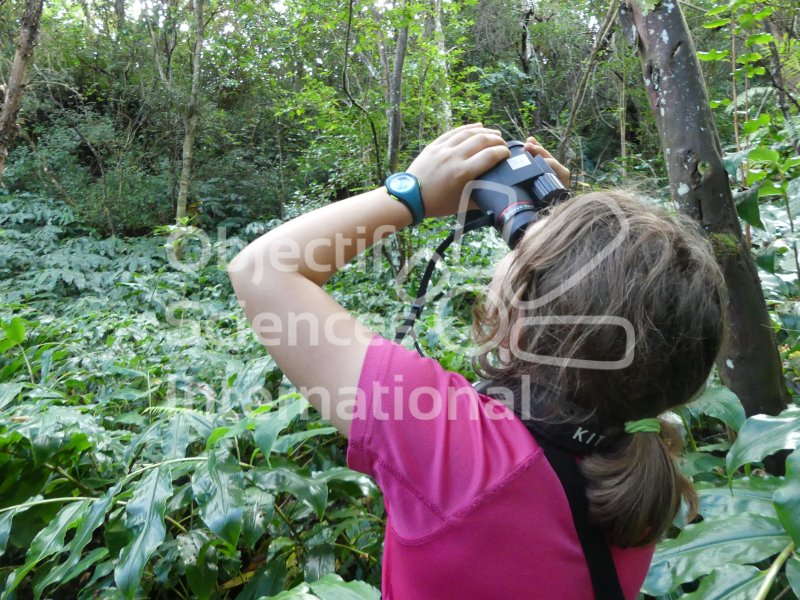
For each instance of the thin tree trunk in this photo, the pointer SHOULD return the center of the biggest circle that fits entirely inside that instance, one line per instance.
(119, 10)
(750, 364)
(395, 120)
(441, 66)
(580, 91)
(396, 98)
(346, 88)
(383, 55)
(190, 121)
(100, 165)
(165, 75)
(28, 32)
(525, 50)
(623, 108)
(776, 73)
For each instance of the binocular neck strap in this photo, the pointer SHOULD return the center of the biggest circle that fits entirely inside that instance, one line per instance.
(419, 303)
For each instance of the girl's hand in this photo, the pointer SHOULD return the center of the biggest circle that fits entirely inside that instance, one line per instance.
(451, 161)
(536, 149)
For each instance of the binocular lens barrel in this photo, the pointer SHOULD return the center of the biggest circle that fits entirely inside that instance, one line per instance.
(515, 190)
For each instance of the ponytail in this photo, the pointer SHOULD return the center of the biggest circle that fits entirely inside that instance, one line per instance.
(635, 490)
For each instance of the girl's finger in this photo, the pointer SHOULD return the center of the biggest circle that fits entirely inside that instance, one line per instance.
(561, 171)
(447, 135)
(460, 136)
(474, 144)
(536, 148)
(486, 159)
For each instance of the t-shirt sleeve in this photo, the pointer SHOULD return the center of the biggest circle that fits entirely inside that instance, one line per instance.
(432, 443)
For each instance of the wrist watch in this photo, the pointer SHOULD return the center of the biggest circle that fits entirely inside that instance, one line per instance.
(405, 188)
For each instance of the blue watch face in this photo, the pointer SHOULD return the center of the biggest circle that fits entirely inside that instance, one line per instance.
(403, 183)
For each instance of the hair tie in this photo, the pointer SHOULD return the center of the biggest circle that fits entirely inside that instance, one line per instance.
(652, 425)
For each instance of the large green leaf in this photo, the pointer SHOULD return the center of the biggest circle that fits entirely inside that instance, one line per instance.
(731, 582)
(306, 489)
(202, 576)
(793, 573)
(701, 548)
(228, 432)
(330, 587)
(746, 203)
(745, 495)
(175, 436)
(145, 520)
(762, 153)
(762, 435)
(48, 541)
(285, 443)
(15, 330)
(333, 587)
(248, 382)
(218, 488)
(787, 498)
(731, 161)
(259, 506)
(721, 403)
(692, 463)
(8, 393)
(320, 561)
(301, 592)
(712, 55)
(5, 528)
(269, 425)
(71, 567)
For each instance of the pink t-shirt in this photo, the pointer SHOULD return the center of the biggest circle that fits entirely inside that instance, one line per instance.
(474, 510)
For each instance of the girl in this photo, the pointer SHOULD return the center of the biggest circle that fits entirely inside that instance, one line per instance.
(474, 509)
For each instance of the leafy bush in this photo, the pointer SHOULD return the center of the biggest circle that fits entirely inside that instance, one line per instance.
(147, 442)
(745, 544)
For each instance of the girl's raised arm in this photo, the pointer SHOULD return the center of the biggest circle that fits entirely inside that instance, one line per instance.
(278, 277)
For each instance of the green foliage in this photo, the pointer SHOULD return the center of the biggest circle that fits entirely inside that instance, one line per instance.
(147, 445)
(749, 523)
(763, 435)
(329, 587)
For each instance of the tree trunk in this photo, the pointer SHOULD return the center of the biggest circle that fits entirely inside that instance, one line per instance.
(403, 239)
(525, 50)
(580, 91)
(441, 66)
(776, 73)
(623, 106)
(190, 121)
(28, 32)
(383, 55)
(396, 98)
(119, 10)
(750, 364)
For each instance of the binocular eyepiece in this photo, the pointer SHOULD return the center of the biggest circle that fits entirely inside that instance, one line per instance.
(514, 192)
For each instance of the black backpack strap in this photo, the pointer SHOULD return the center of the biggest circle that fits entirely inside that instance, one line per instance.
(602, 569)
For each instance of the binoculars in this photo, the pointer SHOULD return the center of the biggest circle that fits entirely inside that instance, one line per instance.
(515, 190)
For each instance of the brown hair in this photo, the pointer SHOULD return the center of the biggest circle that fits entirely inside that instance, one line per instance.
(609, 254)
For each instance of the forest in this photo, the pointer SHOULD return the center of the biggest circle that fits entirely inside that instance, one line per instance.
(151, 448)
